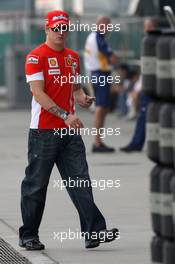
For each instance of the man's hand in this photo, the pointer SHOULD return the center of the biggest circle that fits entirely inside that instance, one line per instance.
(85, 101)
(82, 99)
(73, 122)
(113, 59)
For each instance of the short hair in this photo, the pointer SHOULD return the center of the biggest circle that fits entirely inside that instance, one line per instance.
(154, 20)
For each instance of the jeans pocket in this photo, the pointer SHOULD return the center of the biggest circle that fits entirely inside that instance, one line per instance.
(33, 146)
(44, 145)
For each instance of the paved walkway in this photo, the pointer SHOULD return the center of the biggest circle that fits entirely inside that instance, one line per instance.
(126, 207)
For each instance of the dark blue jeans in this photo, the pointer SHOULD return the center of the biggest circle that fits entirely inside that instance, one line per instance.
(68, 153)
(121, 102)
(138, 138)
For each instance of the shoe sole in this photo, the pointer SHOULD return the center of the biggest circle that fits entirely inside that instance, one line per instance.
(133, 150)
(34, 249)
(107, 241)
(30, 249)
(93, 245)
(97, 151)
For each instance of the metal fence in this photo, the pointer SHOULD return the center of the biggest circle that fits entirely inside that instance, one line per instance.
(20, 29)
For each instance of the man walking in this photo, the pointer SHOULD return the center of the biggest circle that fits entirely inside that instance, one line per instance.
(53, 110)
(98, 58)
(138, 139)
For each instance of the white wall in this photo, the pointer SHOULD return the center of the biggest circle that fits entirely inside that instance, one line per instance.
(99, 7)
(47, 5)
(106, 6)
(78, 6)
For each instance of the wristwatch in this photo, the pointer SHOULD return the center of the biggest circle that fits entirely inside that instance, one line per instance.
(64, 115)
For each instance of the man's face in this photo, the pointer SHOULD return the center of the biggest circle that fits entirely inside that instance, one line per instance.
(103, 25)
(123, 73)
(149, 25)
(57, 35)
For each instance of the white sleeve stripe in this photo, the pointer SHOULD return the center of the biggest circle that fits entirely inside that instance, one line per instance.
(35, 77)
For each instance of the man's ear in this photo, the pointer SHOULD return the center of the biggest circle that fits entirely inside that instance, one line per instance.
(46, 30)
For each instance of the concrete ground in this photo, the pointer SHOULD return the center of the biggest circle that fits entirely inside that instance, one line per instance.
(126, 207)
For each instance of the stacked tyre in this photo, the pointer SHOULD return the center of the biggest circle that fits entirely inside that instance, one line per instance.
(158, 73)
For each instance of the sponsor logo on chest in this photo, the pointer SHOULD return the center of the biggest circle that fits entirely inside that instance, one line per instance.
(70, 61)
(53, 71)
(53, 62)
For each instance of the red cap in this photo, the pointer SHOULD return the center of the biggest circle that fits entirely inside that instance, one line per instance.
(56, 17)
